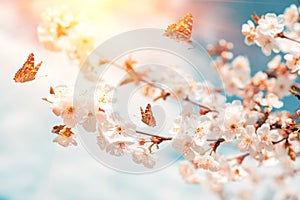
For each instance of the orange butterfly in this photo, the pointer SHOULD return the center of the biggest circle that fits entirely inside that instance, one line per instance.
(181, 30)
(28, 71)
(147, 116)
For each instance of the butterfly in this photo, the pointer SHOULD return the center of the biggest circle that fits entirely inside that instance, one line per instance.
(181, 30)
(147, 116)
(28, 71)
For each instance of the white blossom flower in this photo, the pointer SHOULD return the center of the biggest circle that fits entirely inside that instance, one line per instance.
(188, 173)
(142, 156)
(196, 88)
(89, 122)
(207, 162)
(233, 120)
(236, 75)
(291, 15)
(65, 136)
(267, 43)
(266, 137)
(230, 169)
(241, 63)
(271, 24)
(293, 62)
(60, 98)
(68, 116)
(247, 140)
(271, 100)
(290, 46)
(214, 100)
(282, 85)
(202, 128)
(80, 44)
(185, 145)
(198, 127)
(275, 62)
(65, 141)
(249, 30)
(55, 27)
(118, 146)
(122, 129)
(259, 79)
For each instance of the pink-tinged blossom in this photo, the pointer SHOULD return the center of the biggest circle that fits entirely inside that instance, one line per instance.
(249, 31)
(266, 137)
(247, 140)
(65, 136)
(188, 173)
(271, 100)
(267, 43)
(293, 62)
(259, 79)
(118, 146)
(142, 156)
(231, 170)
(185, 145)
(271, 24)
(89, 122)
(282, 85)
(275, 62)
(122, 129)
(55, 27)
(65, 141)
(291, 15)
(207, 162)
(233, 120)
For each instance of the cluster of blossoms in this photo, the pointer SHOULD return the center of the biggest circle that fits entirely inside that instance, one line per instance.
(208, 124)
(62, 30)
(276, 33)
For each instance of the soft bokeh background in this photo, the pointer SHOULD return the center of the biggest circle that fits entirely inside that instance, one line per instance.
(31, 166)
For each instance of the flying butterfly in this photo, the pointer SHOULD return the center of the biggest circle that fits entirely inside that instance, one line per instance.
(28, 71)
(147, 116)
(181, 30)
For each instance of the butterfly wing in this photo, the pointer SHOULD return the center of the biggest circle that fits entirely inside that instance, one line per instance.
(28, 71)
(181, 30)
(147, 116)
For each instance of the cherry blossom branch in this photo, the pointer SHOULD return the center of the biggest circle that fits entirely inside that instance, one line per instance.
(165, 94)
(281, 35)
(239, 158)
(216, 144)
(199, 104)
(155, 140)
(153, 135)
(281, 140)
(264, 119)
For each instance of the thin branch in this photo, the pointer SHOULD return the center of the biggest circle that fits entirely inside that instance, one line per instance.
(240, 158)
(153, 135)
(199, 104)
(282, 139)
(281, 35)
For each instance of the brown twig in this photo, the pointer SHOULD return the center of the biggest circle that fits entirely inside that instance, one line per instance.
(281, 35)
(216, 144)
(153, 135)
(199, 104)
(155, 140)
(239, 158)
(282, 139)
